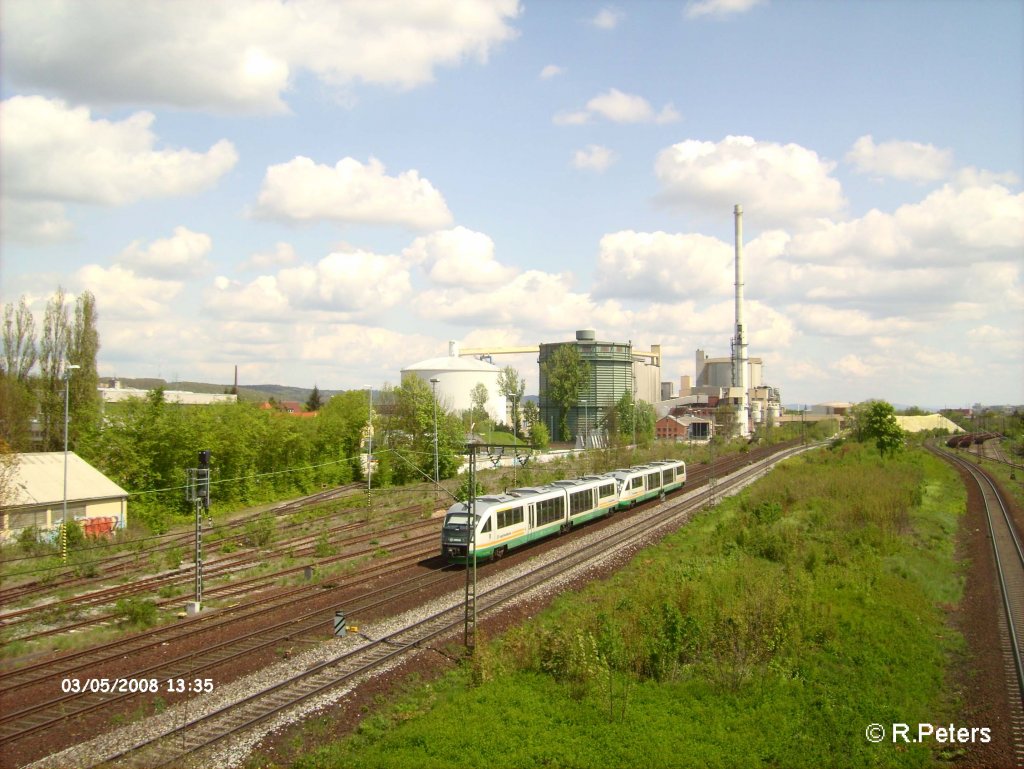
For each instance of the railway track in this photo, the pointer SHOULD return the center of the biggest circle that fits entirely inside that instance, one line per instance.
(124, 563)
(21, 722)
(179, 746)
(218, 568)
(1008, 555)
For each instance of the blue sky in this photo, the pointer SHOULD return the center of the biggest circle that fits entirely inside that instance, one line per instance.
(325, 192)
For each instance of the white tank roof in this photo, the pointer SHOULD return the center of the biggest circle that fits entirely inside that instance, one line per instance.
(452, 363)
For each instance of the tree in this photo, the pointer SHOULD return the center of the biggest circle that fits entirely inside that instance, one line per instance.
(512, 385)
(17, 398)
(531, 416)
(314, 403)
(19, 339)
(539, 437)
(629, 419)
(406, 434)
(879, 422)
(53, 351)
(568, 377)
(84, 402)
(340, 429)
(478, 397)
(8, 471)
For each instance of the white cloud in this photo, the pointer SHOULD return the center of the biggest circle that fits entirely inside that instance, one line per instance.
(53, 154)
(904, 160)
(182, 255)
(978, 218)
(857, 367)
(719, 8)
(593, 157)
(259, 300)
(608, 18)
(301, 190)
(283, 255)
(619, 107)
(827, 321)
(240, 55)
(580, 117)
(773, 182)
(354, 283)
(340, 287)
(30, 221)
(550, 71)
(535, 300)
(459, 257)
(123, 295)
(662, 266)
(949, 227)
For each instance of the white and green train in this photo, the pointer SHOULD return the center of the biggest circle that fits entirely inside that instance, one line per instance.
(506, 521)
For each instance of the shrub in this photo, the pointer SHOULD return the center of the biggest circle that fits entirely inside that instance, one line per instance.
(260, 533)
(136, 612)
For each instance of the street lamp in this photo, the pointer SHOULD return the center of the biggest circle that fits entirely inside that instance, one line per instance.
(369, 446)
(433, 390)
(64, 516)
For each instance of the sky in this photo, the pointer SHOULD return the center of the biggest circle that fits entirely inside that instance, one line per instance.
(324, 192)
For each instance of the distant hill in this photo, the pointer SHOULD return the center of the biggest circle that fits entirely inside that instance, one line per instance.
(251, 393)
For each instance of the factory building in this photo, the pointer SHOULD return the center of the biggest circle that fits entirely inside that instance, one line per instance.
(456, 377)
(615, 369)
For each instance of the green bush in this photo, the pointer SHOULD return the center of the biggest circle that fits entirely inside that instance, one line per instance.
(260, 533)
(137, 612)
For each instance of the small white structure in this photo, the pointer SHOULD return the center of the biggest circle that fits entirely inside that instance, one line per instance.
(95, 501)
(456, 377)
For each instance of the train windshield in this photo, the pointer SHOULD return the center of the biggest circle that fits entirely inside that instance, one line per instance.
(456, 521)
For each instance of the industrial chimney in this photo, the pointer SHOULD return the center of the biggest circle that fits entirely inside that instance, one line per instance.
(740, 364)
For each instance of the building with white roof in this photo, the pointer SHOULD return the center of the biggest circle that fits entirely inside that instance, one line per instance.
(94, 500)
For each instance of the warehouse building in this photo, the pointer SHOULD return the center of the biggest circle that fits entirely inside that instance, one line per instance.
(95, 501)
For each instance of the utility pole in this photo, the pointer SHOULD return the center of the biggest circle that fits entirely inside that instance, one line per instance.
(437, 476)
(369, 451)
(469, 622)
(198, 492)
(64, 516)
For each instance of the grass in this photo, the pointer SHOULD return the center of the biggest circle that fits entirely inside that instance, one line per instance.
(770, 631)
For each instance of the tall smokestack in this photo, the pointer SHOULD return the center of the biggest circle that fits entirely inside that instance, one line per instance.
(740, 366)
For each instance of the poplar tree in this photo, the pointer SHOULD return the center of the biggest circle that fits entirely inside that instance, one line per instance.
(53, 350)
(17, 399)
(85, 404)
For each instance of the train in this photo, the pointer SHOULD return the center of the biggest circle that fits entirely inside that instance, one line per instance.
(515, 518)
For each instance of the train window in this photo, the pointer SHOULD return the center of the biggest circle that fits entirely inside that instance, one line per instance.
(607, 490)
(487, 526)
(653, 480)
(580, 501)
(637, 483)
(668, 475)
(550, 510)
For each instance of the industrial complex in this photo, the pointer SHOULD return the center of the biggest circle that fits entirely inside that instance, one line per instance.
(617, 368)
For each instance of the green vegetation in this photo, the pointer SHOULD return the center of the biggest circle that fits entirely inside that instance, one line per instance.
(770, 631)
(876, 420)
(136, 612)
(568, 377)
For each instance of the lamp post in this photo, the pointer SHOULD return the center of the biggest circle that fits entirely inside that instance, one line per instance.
(64, 516)
(433, 390)
(369, 448)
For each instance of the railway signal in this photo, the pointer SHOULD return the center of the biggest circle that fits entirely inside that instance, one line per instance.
(197, 491)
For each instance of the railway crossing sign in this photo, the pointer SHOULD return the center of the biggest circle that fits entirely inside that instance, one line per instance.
(339, 623)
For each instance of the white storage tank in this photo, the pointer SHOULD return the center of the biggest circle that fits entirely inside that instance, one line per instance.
(456, 379)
